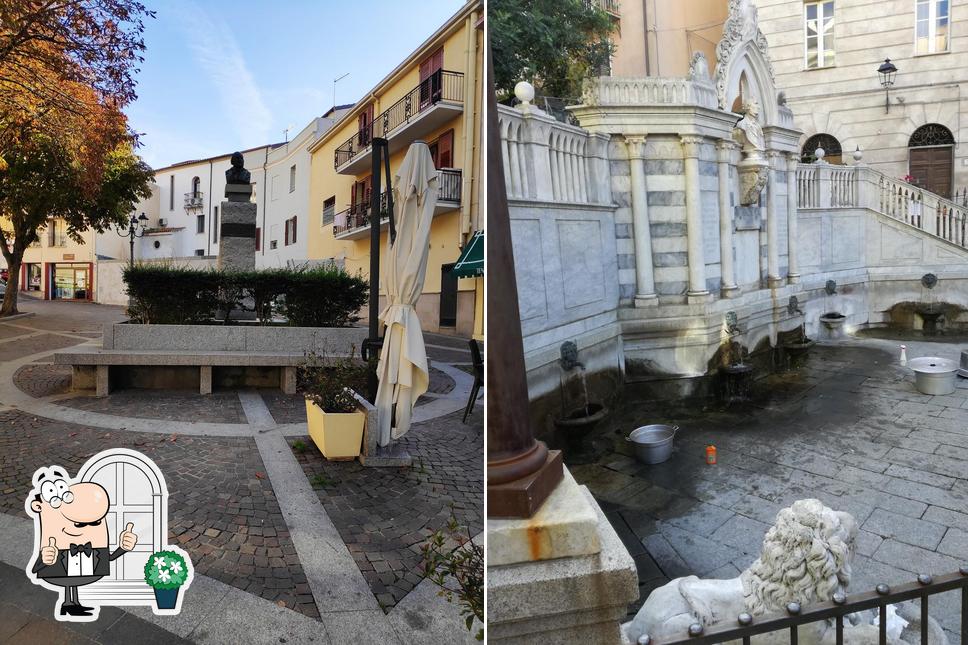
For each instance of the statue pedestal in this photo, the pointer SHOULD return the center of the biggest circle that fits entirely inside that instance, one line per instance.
(562, 576)
(237, 223)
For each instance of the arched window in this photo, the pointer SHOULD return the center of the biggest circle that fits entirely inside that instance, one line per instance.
(831, 147)
(931, 158)
(196, 184)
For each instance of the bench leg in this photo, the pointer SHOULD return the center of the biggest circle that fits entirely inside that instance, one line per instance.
(83, 377)
(103, 380)
(288, 380)
(205, 379)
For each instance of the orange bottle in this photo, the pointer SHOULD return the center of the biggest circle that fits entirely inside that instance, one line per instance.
(710, 454)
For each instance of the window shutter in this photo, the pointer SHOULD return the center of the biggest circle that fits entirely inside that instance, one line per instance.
(294, 229)
(258, 239)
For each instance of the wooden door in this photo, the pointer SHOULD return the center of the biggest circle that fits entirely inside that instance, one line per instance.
(365, 126)
(448, 296)
(932, 168)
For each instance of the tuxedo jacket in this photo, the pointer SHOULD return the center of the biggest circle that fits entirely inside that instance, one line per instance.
(101, 559)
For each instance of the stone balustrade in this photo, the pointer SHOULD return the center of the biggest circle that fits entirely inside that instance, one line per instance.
(825, 186)
(608, 90)
(549, 161)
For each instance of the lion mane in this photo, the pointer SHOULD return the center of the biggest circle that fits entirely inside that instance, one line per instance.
(805, 558)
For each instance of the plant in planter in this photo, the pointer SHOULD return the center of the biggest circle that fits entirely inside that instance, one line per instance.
(334, 418)
(166, 572)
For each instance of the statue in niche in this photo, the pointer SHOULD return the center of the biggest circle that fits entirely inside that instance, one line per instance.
(805, 558)
(748, 130)
(753, 169)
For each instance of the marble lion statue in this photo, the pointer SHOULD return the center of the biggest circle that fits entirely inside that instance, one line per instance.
(806, 558)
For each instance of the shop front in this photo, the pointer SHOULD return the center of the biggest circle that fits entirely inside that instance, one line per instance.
(69, 281)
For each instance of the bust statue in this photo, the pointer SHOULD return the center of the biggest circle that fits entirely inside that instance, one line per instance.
(237, 174)
(749, 130)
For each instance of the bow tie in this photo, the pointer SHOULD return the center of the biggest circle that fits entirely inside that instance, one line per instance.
(81, 548)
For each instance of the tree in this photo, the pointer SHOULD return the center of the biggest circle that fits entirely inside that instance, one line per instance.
(47, 46)
(554, 44)
(45, 179)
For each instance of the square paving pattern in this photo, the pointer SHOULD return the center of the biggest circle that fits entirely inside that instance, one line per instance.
(849, 429)
(384, 515)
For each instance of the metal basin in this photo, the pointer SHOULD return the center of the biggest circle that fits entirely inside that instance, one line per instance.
(653, 443)
(933, 375)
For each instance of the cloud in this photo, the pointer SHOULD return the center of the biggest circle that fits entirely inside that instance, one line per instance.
(218, 53)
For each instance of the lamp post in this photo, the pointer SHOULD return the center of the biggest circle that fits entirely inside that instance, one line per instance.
(887, 71)
(136, 228)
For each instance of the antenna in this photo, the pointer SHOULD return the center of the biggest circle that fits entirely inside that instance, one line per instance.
(335, 81)
(286, 131)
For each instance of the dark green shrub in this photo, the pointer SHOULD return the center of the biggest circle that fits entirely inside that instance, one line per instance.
(307, 297)
(323, 297)
(324, 380)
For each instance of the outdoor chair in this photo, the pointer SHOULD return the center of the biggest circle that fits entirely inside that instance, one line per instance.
(478, 362)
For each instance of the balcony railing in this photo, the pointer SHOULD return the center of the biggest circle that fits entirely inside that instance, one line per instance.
(194, 200)
(612, 7)
(358, 215)
(440, 86)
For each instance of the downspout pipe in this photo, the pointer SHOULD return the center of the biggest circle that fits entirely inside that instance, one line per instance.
(211, 222)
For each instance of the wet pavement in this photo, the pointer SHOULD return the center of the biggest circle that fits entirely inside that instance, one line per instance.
(848, 428)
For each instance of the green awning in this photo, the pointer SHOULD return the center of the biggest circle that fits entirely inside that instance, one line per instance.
(470, 264)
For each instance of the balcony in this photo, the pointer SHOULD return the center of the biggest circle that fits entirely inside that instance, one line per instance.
(357, 218)
(611, 7)
(194, 201)
(427, 107)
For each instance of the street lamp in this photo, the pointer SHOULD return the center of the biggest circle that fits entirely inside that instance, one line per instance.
(887, 70)
(136, 228)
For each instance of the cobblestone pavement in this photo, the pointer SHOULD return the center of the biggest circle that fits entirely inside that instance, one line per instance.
(848, 429)
(27, 618)
(384, 514)
(43, 380)
(165, 405)
(223, 510)
(34, 344)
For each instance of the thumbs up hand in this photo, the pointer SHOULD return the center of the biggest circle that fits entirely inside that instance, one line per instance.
(128, 540)
(48, 554)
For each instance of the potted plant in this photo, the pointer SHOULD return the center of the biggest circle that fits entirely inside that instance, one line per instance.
(166, 572)
(334, 418)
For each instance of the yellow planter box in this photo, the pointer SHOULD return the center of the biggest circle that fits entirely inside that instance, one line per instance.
(338, 435)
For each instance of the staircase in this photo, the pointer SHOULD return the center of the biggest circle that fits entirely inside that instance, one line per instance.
(824, 186)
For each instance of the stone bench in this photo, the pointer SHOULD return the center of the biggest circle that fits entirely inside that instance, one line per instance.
(92, 366)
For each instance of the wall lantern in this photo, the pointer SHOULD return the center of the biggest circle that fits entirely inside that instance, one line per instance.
(887, 71)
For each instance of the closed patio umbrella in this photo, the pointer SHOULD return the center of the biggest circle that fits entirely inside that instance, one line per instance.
(403, 371)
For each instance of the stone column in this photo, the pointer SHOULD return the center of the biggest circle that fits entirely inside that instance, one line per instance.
(641, 233)
(772, 235)
(793, 273)
(725, 149)
(697, 263)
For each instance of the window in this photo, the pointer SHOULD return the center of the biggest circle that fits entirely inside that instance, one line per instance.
(171, 193)
(199, 223)
(931, 26)
(273, 244)
(258, 239)
(196, 185)
(442, 150)
(215, 225)
(818, 27)
(200, 252)
(291, 230)
(57, 233)
(329, 210)
(833, 152)
(292, 178)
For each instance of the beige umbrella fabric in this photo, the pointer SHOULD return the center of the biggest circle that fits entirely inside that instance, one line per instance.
(403, 371)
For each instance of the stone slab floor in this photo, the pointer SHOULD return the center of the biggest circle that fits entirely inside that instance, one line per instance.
(847, 428)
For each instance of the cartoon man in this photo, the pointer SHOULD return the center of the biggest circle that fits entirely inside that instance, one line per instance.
(73, 549)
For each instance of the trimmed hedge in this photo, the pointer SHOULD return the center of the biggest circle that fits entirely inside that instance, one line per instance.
(325, 296)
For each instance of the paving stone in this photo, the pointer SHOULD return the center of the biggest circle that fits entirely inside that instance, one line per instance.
(666, 557)
(919, 476)
(913, 558)
(947, 517)
(867, 542)
(693, 516)
(700, 554)
(955, 544)
(905, 529)
(743, 533)
(951, 499)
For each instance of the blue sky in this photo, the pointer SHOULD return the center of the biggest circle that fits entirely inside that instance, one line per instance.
(225, 75)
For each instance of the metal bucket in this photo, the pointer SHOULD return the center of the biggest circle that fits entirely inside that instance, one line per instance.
(653, 443)
(933, 375)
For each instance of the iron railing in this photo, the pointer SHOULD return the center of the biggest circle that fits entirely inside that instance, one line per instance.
(745, 626)
(442, 85)
(613, 7)
(194, 199)
(358, 215)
